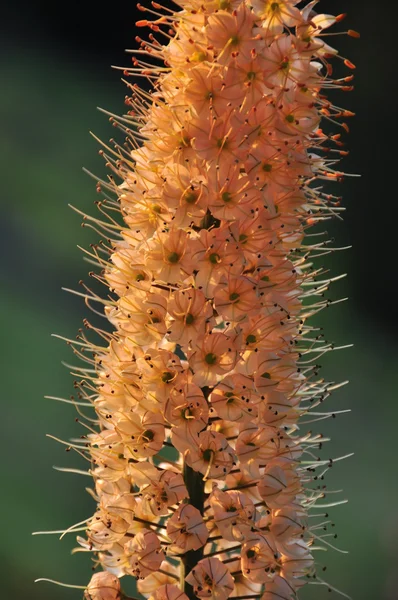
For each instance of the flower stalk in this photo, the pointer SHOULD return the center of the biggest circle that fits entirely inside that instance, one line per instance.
(204, 477)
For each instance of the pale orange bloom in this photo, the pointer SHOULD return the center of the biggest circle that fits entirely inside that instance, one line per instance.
(168, 592)
(187, 409)
(186, 529)
(211, 579)
(232, 34)
(233, 399)
(260, 558)
(167, 255)
(278, 588)
(191, 313)
(103, 586)
(142, 435)
(276, 15)
(144, 554)
(141, 317)
(156, 580)
(215, 253)
(168, 489)
(214, 355)
(212, 455)
(235, 298)
(234, 513)
(279, 484)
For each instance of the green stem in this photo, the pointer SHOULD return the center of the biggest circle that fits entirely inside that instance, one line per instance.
(196, 493)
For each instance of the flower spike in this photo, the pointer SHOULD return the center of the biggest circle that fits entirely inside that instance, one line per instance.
(204, 478)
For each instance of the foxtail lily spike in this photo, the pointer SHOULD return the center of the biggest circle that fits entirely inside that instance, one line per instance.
(207, 481)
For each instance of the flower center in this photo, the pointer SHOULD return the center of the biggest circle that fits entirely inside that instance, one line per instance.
(226, 197)
(167, 377)
(173, 258)
(207, 454)
(243, 238)
(211, 358)
(189, 319)
(266, 375)
(234, 296)
(267, 167)
(251, 339)
(198, 56)
(140, 277)
(251, 75)
(190, 198)
(214, 258)
(222, 142)
(186, 413)
(250, 553)
(290, 118)
(230, 397)
(148, 435)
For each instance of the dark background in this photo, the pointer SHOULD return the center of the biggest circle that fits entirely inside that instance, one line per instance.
(54, 70)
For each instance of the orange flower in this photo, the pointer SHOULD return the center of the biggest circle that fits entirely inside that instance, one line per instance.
(259, 558)
(103, 586)
(186, 529)
(211, 579)
(214, 355)
(234, 514)
(191, 316)
(168, 592)
(144, 554)
(211, 455)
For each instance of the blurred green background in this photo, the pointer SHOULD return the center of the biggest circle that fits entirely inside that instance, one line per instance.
(54, 70)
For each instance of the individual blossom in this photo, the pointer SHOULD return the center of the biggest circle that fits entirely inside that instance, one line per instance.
(233, 399)
(141, 317)
(275, 16)
(156, 580)
(186, 529)
(214, 254)
(168, 592)
(231, 194)
(191, 315)
(161, 371)
(187, 409)
(259, 558)
(164, 491)
(167, 255)
(234, 513)
(211, 579)
(235, 298)
(279, 484)
(278, 587)
(103, 586)
(142, 435)
(214, 355)
(209, 454)
(144, 554)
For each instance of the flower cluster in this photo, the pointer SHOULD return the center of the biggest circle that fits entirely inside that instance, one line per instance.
(203, 480)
